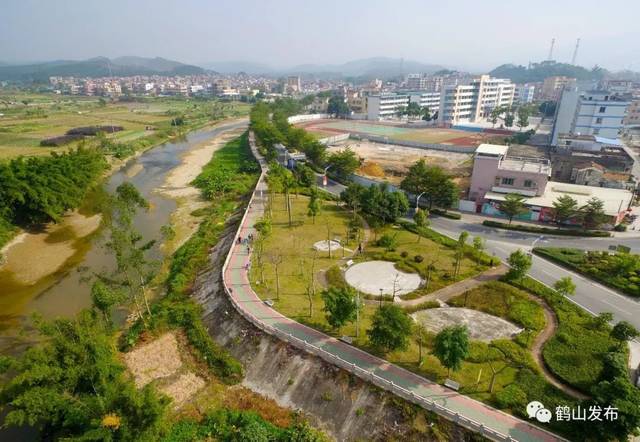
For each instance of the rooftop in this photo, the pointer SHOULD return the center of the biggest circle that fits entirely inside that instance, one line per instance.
(615, 200)
(535, 165)
(492, 149)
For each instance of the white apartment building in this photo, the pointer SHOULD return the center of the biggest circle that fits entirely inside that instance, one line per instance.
(417, 81)
(474, 102)
(524, 93)
(597, 113)
(383, 106)
(426, 99)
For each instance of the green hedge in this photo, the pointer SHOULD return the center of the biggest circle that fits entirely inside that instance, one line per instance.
(546, 230)
(445, 213)
(604, 269)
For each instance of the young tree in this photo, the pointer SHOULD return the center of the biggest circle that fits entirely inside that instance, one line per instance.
(439, 188)
(602, 320)
(593, 214)
(426, 114)
(337, 106)
(508, 119)
(352, 197)
(421, 220)
(340, 306)
(462, 241)
(624, 331)
(314, 204)
(390, 328)
(421, 335)
(495, 114)
(523, 117)
(564, 208)
(276, 259)
(513, 205)
(413, 109)
(451, 347)
(520, 264)
(343, 163)
(565, 286)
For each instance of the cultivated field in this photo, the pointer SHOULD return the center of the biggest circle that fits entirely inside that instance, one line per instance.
(26, 119)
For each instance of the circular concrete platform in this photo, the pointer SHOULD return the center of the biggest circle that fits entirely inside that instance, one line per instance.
(371, 276)
(482, 326)
(323, 246)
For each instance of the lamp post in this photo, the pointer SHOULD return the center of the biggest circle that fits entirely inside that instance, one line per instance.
(380, 297)
(418, 201)
(324, 176)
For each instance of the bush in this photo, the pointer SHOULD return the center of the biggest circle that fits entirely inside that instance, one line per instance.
(446, 214)
(547, 230)
(418, 258)
(60, 141)
(620, 228)
(404, 254)
(389, 242)
(511, 397)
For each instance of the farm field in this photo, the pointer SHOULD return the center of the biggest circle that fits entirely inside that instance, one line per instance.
(26, 118)
(394, 132)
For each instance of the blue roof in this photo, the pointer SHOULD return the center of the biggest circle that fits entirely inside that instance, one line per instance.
(608, 141)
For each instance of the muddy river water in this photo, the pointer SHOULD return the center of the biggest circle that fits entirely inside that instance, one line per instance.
(46, 272)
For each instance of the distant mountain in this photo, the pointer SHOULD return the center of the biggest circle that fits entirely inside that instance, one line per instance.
(539, 71)
(97, 67)
(382, 67)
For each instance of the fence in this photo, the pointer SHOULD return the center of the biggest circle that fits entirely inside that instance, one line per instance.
(416, 144)
(307, 117)
(334, 139)
(363, 374)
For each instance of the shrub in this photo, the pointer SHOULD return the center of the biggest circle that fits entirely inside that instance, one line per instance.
(511, 397)
(404, 254)
(446, 214)
(418, 258)
(547, 230)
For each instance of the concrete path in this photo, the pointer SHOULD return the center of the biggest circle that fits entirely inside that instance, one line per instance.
(467, 412)
(453, 290)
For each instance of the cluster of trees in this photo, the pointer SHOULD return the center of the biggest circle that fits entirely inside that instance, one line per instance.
(537, 72)
(438, 187)
(509, 116)
(343, 163)
(381, 204)
(42, 189)
(414, 110)
(269, 123)
(337, 106)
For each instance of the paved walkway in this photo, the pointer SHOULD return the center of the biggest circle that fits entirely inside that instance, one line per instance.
(468, 412)
(450, 291)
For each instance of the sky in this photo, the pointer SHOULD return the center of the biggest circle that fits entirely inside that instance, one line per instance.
(474, 35)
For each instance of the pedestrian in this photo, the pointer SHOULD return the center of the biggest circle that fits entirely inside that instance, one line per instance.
(248, 250)
(239, 239)
(360, 248)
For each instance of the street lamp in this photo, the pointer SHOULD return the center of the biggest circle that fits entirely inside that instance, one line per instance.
(324, 176)
(380, 297)
(418, 201)
(541, 237)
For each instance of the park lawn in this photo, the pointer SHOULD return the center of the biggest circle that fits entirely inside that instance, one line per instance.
(619, 270)
(432, 252)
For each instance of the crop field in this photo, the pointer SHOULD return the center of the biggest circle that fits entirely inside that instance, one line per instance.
(26, 119)
(422, 135)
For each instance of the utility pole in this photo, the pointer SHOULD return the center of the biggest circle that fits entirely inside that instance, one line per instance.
(575, 52)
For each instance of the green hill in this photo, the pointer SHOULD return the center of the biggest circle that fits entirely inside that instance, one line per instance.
(539, 71)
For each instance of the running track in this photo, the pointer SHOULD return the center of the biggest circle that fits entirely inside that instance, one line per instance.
(467, 412)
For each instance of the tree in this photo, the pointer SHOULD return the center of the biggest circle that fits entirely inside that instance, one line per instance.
(343, 163)
(439, 188)
(520, 264)
(565, 286)
(421, 335)
(564, 208)
(413, 109)
(352, 197)
(314, 205)
(340, 305)
(305, 175)
(426, 114)
(508, 119)
(451, 347)
(421, 220)
(513, 205)
(478, 245)
(383, 204)
(593, 214)
(276, 259)
(523, 117)
(390, 328)
(602, 320)
(72, 385)
(462, 240)
(495, 114)
(337, 106)
(624, 331)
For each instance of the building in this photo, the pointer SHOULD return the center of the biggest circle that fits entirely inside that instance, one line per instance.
(474, 102)
(552, 87)
(386, 105)
(294, 84)
(524, 93)
(495, 175)
(429, 100)
(417, 81)
(632, 119)
(597, 113)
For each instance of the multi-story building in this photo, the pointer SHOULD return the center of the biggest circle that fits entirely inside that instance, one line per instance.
(386, 105)
(598, 113)
(417, 81)
(553, 86)
(429, 100)
(294, 83)
(524, 93)
(632, 118)
(495, 175)
(474, 102)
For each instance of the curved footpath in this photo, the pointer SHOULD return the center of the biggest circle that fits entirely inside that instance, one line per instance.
(456, 407)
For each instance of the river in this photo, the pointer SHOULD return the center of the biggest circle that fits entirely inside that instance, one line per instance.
(63, 292)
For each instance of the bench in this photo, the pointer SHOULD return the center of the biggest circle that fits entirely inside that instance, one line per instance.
(269, 302)
(349, 263)
(346, 339)
(452, 385)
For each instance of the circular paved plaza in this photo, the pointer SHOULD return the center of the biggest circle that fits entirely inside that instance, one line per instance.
(371, 276)
(482, 326)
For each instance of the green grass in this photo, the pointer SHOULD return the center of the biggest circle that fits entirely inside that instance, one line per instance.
(620, 271)
(547, 230)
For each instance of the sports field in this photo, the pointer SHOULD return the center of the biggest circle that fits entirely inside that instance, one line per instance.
(324, 128)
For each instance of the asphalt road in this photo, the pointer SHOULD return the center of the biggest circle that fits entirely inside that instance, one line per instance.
(593, 297)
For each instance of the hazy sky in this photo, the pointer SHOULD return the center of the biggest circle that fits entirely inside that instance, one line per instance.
(467, 34)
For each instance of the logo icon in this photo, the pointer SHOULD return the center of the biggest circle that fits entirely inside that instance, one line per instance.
(536, 409)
